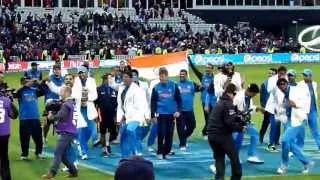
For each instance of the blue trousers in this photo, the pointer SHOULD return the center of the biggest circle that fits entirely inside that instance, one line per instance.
(142, 132)
(153, 134)
(289, 143)
(274, 130)
(128, 139)
(313, 125)
(87, 132)
(300, 136)
(254, 137)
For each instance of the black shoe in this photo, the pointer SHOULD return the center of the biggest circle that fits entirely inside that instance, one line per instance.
(261, 140)
(109, 149)
(96, 143)
(105, 154)
(272, 148)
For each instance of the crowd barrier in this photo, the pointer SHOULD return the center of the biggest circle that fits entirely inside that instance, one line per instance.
(197, 59)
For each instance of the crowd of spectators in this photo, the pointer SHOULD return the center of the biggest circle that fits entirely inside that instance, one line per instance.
(104, 35)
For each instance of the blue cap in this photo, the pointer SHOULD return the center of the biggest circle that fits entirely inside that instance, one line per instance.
(307, 72)
(82, 69)
(291, 72)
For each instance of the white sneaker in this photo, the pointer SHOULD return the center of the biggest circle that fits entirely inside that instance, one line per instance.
(160, 157)
(40, 156)
(139, 154)
(150, 149)
(84, 157)
(24, 158)
(308, 167)
(213, 168)
(183, 149)
(65, 169)
(205, 138)
(281, 170)
(255, 160)
(290, 154)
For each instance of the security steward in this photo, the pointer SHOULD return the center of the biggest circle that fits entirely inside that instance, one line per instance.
(222, 123)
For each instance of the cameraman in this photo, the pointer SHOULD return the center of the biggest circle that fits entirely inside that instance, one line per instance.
(222, 123)
(8, 111)
(66, 128)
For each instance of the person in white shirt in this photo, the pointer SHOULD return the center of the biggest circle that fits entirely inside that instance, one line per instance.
(225, 77)
(243, 101)
(275, 125)
(144, 126)
(309, 89)
(85, 93)
(130, 114)
(290, 110)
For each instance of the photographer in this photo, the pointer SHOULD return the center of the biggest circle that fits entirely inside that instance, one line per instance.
(223, 121)
(66, 128)
(8, 111)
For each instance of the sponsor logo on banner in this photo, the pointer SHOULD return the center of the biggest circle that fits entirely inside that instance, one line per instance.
(257, 58)
(109, 63)
(17, 66)
(77, 57)
(200, 59)
(75, 64)
(308, 57)
(310, 38)
(43, 65)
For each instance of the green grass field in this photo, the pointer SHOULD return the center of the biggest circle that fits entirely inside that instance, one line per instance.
(32, 170)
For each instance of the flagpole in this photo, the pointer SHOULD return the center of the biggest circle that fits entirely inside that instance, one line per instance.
(117, 6)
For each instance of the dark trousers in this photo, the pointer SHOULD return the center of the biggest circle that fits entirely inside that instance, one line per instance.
(61, 155)
(206, 117)
(30, 128)
(4, 158)
(221, 146)
(264, 127)
(186, 123)
(108, 124)
(165, 133)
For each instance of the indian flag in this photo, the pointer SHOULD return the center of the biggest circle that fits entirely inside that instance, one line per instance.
(148, 65)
